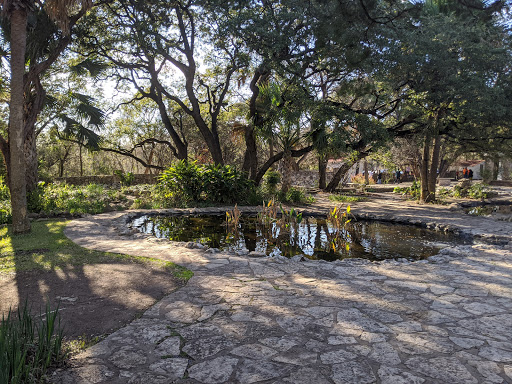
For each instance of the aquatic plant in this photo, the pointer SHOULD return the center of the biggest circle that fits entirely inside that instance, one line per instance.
(339, 220)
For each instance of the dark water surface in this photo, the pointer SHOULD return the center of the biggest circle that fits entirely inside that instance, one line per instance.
(372, 240)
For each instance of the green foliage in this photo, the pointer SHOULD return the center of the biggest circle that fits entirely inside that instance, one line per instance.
(127, 178)
(339, 221)
(5, 203)
(4, 190)
(295, 196)
(474, 191)
(187, 183)
(414, 191)
(346, 198)
(29, 345)
(59, 198)
(272, 179)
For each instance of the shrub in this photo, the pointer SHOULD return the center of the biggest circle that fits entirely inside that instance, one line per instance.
(474, 191)
(5, 204)
(272, 179)
(181, 183)
(4, 190)
(58, 198)
(414, 190)
(28, 345)
(224, 184)
(5, 212)
(188, 183)
(126, 178)
(296, 196)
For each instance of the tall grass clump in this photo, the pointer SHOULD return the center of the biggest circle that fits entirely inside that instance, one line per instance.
(29, 345)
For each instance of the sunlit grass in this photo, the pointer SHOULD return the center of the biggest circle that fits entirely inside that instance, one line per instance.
(346, 198)
(46, 248)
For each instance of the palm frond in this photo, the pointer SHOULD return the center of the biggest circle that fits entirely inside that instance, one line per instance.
(90, 67)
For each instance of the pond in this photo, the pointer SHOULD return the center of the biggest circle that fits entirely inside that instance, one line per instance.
(313, 237)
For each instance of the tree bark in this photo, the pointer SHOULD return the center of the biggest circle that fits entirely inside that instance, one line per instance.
(278, 156)
(286, 180)
(342, 171)
(495, 167)
(32, 176)
(250, 164)
(365, 167)
(322, 171)
(434, 164)
(424, 197)
(17, 178)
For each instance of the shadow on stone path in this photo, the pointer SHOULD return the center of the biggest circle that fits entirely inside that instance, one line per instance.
(249, 320)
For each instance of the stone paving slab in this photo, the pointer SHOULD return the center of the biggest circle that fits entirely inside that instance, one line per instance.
(271, 320)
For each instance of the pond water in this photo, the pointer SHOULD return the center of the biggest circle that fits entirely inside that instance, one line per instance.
(313, 237)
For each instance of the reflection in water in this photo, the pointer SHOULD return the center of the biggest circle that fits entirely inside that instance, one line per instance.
(312, 237)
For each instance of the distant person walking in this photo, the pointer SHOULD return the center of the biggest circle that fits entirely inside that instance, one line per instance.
(470, 174)
(465, 173)
(379, 178)
(397, 176)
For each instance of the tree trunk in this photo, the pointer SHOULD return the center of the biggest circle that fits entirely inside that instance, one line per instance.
(495, 167)
(81, 159)
(31, 163)
(424, 197)
(250, 164)
(278, 156)
(286, 180)
(271, 148)
(322, 171)
(365, 167)
(333, 184)
(434, 164)
(17, 178)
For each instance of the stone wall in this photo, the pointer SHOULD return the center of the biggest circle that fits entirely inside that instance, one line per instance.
(105, 179)
(308, 179)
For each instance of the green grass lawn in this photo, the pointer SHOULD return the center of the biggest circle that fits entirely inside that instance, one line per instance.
(47, 248)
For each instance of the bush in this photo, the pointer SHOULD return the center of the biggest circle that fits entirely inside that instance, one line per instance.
(296, 196)
(5, 203)
(224, 184)
(29, 345)
(4, 190)
(187, 183)
(272, 179)
(414, 190)
(474, 191)
(126, 178)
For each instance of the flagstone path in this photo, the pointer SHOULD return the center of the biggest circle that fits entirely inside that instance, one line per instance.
(244, 319)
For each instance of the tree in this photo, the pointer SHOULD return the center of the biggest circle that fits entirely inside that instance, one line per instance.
(452, 60)
(326, 49)
(27, 93)
(155, 47)
(15, 161)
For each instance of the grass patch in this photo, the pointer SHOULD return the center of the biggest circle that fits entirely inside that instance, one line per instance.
(46, 248)
(346, 198)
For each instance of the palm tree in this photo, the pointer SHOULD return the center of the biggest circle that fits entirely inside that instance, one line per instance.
(17, 11)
